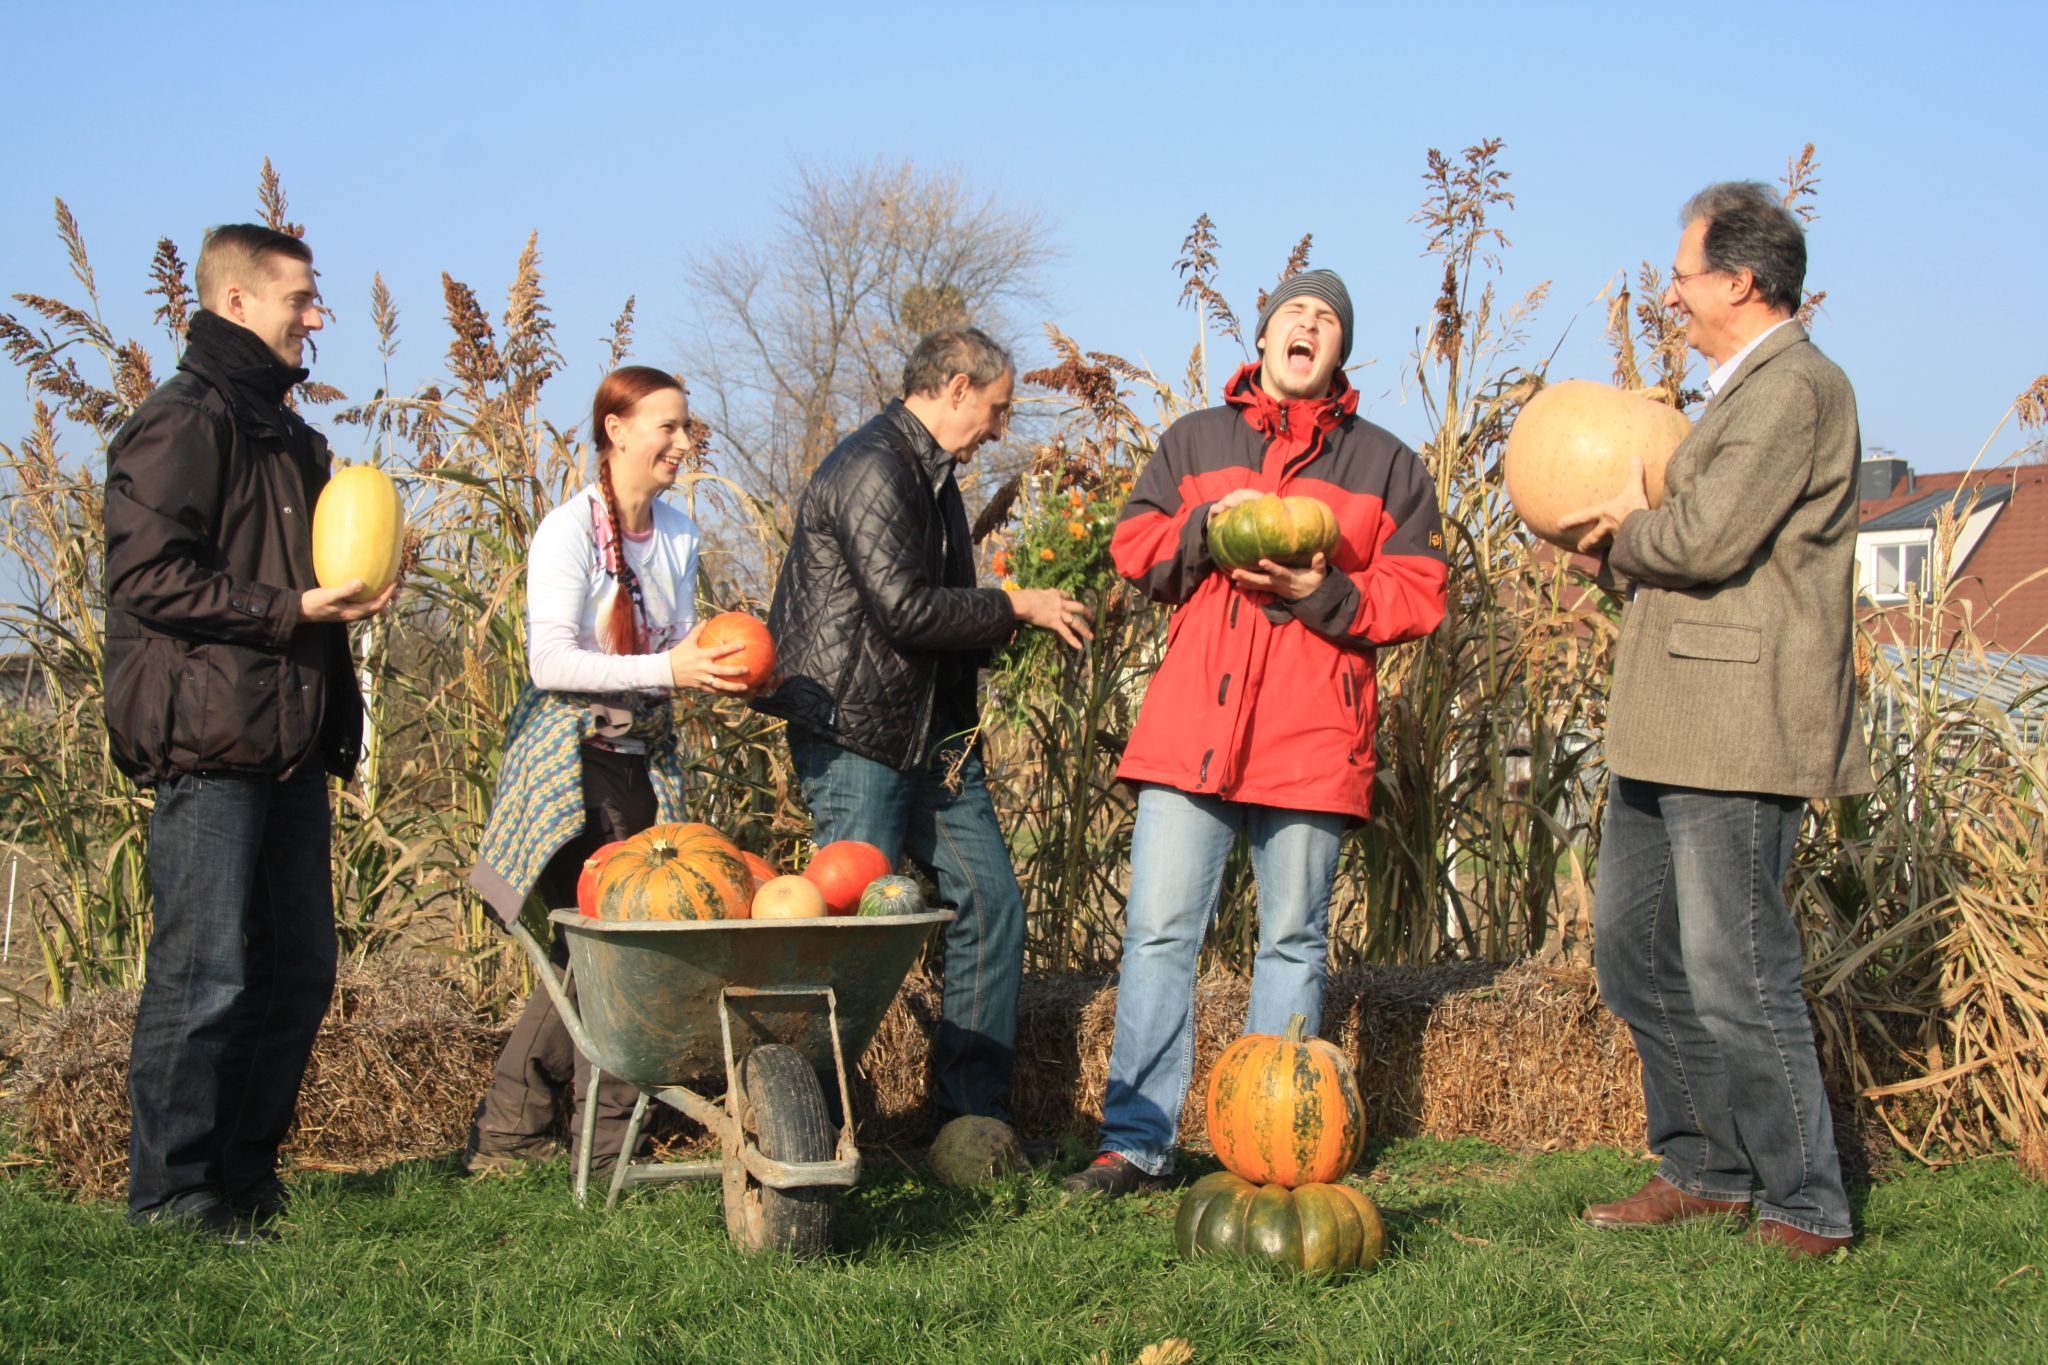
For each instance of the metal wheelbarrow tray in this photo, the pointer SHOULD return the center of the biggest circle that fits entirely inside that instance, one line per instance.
(770, 1006)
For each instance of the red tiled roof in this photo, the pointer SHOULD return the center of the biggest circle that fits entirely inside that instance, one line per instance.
(2010, 614)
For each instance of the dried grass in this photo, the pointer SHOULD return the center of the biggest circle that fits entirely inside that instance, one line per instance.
(395, 1075)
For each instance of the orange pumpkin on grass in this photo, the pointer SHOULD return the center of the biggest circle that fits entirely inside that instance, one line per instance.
(1284, 1109)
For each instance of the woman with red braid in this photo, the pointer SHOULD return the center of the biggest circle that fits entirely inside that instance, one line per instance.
(590, 747)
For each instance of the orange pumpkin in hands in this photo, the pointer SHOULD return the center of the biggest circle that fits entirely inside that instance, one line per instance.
(757, 647)
(675, 872)
(1284, 1109)
(842, 870)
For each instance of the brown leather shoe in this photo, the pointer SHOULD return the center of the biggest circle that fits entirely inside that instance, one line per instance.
(1661, 1202)
(1795, 1242)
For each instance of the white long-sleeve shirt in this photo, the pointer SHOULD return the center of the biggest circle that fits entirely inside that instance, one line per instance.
(567, 587)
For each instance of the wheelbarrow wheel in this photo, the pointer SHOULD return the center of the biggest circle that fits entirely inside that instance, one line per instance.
(783, 1108)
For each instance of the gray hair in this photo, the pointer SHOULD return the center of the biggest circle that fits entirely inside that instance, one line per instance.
(1749, 229)
(954, 350)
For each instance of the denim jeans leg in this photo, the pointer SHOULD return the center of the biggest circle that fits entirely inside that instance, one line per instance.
(851, 797)
(1294, 856)
(1730, 852)
(1641, 963)
(1178, 850)
(241, 953)
(952, 832)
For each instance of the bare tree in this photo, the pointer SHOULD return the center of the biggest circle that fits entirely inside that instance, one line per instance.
(802, 336)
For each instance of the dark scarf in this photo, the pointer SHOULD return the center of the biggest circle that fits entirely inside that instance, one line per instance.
(234, 357)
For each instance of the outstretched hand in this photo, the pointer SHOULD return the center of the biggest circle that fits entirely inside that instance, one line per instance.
(332, 604)
(1064, 616)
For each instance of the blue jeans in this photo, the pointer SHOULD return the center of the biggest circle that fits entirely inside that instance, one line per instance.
(951, 833)
(1697, 951)
(239, 976)
(1177, 855)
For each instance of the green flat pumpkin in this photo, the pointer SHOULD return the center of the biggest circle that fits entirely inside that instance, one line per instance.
(1292, 530)
(1314, 1230)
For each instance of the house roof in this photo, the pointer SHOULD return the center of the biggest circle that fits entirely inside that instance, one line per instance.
(2000, 584)
(1920, 513)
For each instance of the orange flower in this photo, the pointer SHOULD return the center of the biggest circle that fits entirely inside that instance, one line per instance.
(1046, 554)
(1077, 530)
(1126, 485)
(1001, 563)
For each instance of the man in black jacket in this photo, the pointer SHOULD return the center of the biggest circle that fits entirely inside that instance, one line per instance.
(229, 691)
(881, 634)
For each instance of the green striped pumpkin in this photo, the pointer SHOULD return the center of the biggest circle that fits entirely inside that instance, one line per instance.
(892, 895)
(676, 872)
(1315, 1230)
(1284, 1109)
(1292, 530)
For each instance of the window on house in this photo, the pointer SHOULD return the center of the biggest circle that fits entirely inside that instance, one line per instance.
(1897, 570)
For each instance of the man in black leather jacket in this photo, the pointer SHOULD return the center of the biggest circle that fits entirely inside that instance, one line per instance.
(881, 634)
(229, 690)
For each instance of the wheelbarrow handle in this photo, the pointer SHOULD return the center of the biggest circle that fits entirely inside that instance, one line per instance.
(558, 991)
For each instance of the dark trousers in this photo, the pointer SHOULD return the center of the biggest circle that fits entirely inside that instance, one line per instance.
(538, 1060)
(239, 975)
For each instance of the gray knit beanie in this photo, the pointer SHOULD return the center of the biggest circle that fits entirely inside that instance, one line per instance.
(1325, 285)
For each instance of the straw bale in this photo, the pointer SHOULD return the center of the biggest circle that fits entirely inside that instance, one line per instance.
(395, 1075)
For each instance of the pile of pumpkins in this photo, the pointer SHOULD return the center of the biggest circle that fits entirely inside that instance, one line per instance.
(693, 872)
(1287, 1122)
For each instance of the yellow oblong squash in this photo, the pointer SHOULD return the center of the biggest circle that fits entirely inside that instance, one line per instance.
(358, 531)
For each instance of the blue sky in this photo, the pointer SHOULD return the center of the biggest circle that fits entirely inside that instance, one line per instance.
(421, 137)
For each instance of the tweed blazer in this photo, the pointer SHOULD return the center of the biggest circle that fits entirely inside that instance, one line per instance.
(1735, 670)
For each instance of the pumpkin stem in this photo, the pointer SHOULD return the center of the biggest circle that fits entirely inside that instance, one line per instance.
(1297, 1028)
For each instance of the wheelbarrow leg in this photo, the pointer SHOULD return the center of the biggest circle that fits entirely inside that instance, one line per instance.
(588, 1136)
(630, 1146)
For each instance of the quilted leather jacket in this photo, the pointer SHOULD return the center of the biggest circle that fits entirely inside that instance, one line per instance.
(875, 608)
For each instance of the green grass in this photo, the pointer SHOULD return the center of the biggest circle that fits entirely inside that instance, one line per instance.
(1486, 1262)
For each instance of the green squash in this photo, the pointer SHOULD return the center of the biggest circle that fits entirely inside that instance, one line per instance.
(1314, 1230)
(892, 895)
(1292, 530)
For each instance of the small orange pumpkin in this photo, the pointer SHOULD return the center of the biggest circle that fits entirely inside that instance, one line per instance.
(1284, 1109)
(762, 870)
(757, 647)
(675, 872)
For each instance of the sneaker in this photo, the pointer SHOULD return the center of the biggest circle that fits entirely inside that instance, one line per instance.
(1110, 1176)
(262, 1203)
(203, 1214)
(511, 1159)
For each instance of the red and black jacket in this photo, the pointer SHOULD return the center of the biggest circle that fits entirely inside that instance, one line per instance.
(1260, 699)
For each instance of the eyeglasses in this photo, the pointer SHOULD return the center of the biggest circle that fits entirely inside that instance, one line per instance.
(1679, 277)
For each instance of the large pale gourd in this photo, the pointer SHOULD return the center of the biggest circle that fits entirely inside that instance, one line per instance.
(1570, 446)
(358, 531)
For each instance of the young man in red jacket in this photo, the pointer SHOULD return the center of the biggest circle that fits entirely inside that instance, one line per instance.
(1260, 718)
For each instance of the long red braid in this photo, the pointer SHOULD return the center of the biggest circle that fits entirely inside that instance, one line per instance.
(622, 626)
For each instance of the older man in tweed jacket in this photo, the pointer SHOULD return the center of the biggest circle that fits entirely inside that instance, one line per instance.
(1734, 700)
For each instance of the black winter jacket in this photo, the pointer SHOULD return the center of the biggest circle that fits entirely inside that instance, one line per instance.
(209, 510)
(875, 608)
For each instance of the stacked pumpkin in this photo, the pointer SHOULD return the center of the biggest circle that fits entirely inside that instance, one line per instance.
(693, 872)
(1287, 1122)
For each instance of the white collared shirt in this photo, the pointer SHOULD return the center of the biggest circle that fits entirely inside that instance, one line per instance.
(1726, 370)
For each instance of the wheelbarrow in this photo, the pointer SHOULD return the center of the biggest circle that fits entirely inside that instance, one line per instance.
(770, 1005)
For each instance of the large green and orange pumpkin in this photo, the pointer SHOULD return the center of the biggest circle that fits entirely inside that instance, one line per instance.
(1570, 447)
(1317, 1229)
(1284, 1109)
(1292, 530)
(593, 868)
(671, 872)
(358, 531)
